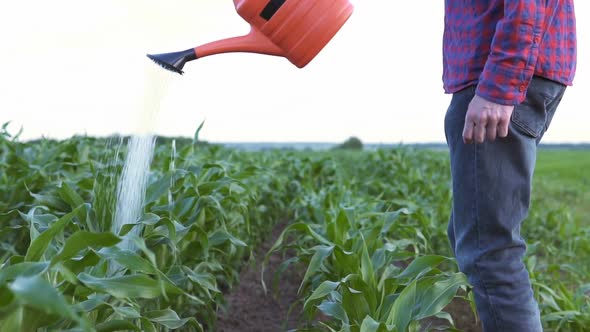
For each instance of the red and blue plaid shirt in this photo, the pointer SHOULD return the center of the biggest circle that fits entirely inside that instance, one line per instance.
(500, 44)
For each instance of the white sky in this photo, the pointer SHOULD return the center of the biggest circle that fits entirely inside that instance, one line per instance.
(79, 67)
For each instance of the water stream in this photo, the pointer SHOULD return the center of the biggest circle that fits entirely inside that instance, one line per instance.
(132, 185)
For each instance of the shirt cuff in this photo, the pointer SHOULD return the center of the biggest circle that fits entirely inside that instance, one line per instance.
(503, 84)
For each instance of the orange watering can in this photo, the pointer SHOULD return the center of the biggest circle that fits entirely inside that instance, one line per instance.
(295, 29)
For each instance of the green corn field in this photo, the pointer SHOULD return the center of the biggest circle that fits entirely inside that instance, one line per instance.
(367, 230)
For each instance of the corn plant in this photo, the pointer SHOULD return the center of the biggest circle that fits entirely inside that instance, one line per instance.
(58, 250)
(368, 258)
(368, 229)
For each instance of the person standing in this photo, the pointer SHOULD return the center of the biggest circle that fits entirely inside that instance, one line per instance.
(507, 64)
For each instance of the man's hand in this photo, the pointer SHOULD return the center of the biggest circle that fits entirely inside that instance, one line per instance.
(485, 119)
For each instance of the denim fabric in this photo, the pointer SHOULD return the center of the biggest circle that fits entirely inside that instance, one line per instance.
(491, 196)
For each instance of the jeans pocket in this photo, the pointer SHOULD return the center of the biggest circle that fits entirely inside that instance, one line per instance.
(528, 119)
(531, 116)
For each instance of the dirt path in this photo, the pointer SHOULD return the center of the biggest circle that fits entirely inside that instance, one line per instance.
(249, 309)
(462, 316)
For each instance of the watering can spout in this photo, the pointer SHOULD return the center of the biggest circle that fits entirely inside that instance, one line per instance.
(295, 29)
(254, 42)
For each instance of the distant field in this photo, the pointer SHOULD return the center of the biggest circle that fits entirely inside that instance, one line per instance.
(562, 179)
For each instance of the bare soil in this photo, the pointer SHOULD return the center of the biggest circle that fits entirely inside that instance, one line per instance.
(463, 317)
(249, 309)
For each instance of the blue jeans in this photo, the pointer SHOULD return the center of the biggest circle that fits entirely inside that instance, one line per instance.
(491, 196)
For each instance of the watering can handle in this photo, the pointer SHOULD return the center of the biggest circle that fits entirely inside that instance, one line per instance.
(253, 42)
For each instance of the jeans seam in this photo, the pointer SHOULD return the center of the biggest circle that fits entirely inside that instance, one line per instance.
(478, 233)
(525, 127)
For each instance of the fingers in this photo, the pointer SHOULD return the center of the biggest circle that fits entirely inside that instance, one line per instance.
(468, 132)
(491, 129)
(503, 125)
(491, 132)
(480, 130)
(474, 128)
(486, 120)
(486, 128)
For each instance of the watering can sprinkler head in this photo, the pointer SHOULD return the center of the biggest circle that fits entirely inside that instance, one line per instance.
(295, 29)
(174, 61)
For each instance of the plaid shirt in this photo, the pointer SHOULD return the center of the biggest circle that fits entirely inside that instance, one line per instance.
(500, 44)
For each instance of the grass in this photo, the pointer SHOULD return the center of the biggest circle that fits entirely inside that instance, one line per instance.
(562, 180)
(558, 228)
